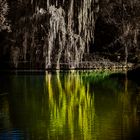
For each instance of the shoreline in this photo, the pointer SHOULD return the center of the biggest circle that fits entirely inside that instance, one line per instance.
(111, 67)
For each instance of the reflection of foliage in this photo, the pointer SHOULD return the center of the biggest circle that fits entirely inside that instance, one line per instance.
(3, 13)
(72, 104)
(4, 112)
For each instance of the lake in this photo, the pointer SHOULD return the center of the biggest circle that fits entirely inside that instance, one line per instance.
(69, 105)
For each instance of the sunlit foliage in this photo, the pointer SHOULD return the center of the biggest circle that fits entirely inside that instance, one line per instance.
(4, 25)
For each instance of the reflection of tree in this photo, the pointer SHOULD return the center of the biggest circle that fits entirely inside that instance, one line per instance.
(4, 113)
(129, 108)
(63, 106)
(71, 104)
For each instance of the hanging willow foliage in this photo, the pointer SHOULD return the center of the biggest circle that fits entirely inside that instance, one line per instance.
(4, 25)
(55, 32)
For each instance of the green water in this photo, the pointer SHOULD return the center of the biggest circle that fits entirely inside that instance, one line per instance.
(69, 106)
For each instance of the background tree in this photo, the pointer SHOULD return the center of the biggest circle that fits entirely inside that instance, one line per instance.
(4, 25)
(120, 23)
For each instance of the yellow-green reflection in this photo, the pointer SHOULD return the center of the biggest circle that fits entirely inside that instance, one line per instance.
(70, 104)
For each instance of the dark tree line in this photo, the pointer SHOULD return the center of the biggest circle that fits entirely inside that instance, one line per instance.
(116, 28)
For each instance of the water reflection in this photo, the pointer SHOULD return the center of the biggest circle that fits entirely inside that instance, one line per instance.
(72, 105)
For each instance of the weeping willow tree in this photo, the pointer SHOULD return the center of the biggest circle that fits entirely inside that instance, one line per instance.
(54, 32)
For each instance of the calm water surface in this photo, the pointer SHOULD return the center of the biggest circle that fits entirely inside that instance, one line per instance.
(69, 106)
